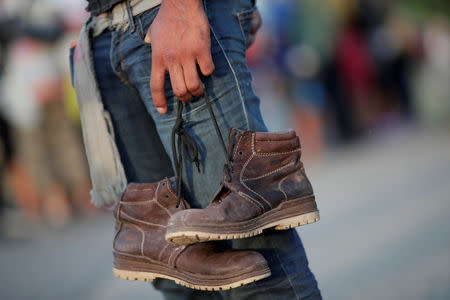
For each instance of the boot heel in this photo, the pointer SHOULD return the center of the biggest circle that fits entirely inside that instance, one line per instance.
(301, 220)
(134, 275)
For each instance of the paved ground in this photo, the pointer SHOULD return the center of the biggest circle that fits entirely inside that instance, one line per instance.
(384, 232)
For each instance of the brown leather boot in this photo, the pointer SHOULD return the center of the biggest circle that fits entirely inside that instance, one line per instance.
(264, 186)
(141, 252)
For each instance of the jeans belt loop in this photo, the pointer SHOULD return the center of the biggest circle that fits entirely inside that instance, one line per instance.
(130, 17)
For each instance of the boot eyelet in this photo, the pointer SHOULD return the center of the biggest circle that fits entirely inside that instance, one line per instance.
(163, 184)
(240, 152)
(167, 196)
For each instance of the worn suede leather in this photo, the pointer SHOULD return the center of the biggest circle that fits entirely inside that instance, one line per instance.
(266, 174)
(139, 244)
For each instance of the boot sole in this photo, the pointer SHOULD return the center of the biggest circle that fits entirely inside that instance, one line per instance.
(284, 217)
(149, 277)
(189, 280)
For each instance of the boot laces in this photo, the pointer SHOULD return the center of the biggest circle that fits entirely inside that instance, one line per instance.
(190, 148)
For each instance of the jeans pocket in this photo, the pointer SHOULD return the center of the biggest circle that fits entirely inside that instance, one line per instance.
(144, 21)
(245, 22)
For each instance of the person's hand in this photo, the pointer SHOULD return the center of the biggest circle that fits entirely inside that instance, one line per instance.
(256, 24)
(180, 42)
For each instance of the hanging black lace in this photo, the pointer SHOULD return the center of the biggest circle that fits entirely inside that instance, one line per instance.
(190, 147)
(228, 168)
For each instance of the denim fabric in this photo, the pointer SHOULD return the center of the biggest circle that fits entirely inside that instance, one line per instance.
(143, 136)
(142, 155)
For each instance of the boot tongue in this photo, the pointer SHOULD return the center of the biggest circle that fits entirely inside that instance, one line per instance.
(173, 184)
(233, 137)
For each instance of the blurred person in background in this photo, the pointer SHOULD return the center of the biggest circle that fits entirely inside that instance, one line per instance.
(5, 128)
(53, 179)
(12, 169)
(432, 88)
(287, 72)
(342, 69)
(374, 55)
(356, 71)
(395, 47)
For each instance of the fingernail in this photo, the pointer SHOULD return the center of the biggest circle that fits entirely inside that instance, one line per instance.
(161, 110)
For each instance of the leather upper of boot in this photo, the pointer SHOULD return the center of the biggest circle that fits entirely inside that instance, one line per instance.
(265, 170)
(141, 219)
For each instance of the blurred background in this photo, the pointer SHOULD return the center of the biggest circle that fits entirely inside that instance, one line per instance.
(366, 84)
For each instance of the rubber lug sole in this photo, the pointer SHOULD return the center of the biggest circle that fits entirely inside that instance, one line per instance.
(190, 237)
(149, 277)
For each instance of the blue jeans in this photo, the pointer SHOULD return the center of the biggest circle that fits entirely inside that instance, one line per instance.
(143, 136)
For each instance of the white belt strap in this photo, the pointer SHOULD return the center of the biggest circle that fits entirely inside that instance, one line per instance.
(118, 16)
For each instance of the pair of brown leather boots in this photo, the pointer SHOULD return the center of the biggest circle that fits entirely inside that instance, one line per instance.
(264, 186)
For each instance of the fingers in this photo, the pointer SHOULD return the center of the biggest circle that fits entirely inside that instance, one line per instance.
(191, 78)
(256, 21)
(184, 74)
(184, 79)
(157, 79)
(178, 84)
(147, 37)
(205, 62)
(256, 24)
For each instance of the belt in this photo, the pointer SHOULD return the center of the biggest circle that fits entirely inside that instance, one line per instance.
(119, 16)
